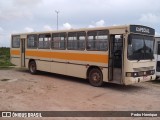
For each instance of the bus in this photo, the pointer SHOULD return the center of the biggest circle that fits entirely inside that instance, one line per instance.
(116, 54)
(157, 55)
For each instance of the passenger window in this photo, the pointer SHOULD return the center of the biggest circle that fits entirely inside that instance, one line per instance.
(58, 41)
(76, 40)
(97, 40)
(32, 41)
(44, 41)
(16, 41)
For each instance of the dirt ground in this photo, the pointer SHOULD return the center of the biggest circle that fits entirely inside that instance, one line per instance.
(21, 91)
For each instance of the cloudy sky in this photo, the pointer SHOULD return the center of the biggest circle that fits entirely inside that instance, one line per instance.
(18, 16)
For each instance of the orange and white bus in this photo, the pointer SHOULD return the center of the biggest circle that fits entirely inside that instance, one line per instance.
(116, 54)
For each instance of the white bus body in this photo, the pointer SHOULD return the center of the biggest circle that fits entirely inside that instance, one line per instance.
(117, 54)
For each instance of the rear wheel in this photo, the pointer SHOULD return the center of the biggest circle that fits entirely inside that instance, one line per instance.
(95, 77)
(32, 67)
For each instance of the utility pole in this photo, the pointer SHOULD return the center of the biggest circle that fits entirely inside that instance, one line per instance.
(57, 12)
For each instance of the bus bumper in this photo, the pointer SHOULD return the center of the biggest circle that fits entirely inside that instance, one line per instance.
(132, 80)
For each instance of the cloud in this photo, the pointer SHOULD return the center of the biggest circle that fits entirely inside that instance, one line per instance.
(47, 28)
(157, 34)
(40, 14)
(28, 3)
(67, 26)
(5, 39)
(150, 18)
(115, 25)
(99, 23)
(91, 26)
(17, 9)
(15, 13)
(1, 29)
(28, 29)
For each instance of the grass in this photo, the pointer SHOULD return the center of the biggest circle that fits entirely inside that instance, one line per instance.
(5, 57)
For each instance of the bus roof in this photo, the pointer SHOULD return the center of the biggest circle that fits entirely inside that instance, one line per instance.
(80, 29)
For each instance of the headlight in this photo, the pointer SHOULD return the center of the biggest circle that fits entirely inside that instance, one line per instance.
(140, 74)
(135, 74)
(152, 72)
(132, 74)
(128, 74)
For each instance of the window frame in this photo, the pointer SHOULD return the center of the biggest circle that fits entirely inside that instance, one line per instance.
(44, 34)
(52, 40)
(16, 39)
(129, 41)
(37, 40)
(107, 40)
(78, 34)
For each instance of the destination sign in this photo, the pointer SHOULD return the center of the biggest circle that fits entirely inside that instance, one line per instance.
(142, 29)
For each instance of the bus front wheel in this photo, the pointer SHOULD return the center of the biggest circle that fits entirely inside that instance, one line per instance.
(95, 77)
(32, 67)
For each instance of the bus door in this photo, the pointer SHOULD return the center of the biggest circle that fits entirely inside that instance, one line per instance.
(115, 58)
(23, 52)
(158, 56)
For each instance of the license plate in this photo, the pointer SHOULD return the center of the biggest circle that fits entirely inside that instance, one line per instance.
(144, 77)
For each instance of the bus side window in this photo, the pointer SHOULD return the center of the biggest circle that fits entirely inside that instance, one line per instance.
(16, 41)
(76, 40)
(58, 41)
(32, 41)
(97, 40)
(44, 41)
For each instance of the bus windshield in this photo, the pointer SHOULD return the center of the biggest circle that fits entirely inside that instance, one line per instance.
(140, 47)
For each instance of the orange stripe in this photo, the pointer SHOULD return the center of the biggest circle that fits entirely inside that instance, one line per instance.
(88, 57)
(15, 52)
(70, 56)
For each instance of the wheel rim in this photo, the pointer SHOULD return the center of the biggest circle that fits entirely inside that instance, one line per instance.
(32, 68)
(96, 77)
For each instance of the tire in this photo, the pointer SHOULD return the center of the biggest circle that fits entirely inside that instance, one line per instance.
(95, 77)
(157, 77)
(32, 67)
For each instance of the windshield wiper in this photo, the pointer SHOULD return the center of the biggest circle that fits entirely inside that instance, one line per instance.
(139, 59)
